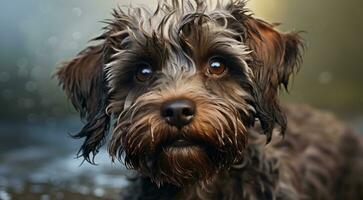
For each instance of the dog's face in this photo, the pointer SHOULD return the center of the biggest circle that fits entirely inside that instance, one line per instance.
(183, 84)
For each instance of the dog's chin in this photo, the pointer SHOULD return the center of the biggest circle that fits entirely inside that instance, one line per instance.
(182, 158)
(182, 163)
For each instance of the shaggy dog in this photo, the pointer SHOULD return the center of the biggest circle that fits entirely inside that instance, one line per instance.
(192, 91)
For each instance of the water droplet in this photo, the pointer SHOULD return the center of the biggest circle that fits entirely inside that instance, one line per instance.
(77, 11)
(22, 62)
(99, 192)
(31, 86)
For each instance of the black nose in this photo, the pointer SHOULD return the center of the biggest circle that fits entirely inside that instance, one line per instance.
(179, 112)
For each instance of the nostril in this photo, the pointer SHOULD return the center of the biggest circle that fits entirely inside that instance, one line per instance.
(168, 112)
(187, 112)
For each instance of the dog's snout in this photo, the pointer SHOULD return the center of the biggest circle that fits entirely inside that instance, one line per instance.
(179, 112)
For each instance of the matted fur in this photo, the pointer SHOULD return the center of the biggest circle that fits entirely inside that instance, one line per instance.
(236, 112)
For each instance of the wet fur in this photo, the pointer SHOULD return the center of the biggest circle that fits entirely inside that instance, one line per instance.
(236, 114)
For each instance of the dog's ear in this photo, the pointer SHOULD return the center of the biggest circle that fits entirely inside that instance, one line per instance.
(275, 56)
(83, 81)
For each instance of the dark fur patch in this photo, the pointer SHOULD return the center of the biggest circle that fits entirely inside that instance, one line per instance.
(177, 42)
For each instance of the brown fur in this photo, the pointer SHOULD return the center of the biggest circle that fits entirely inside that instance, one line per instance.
(228, 158)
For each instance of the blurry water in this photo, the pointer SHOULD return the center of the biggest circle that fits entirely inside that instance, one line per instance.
(38, 161)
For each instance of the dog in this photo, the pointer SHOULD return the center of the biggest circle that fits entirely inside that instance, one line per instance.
(191, 90)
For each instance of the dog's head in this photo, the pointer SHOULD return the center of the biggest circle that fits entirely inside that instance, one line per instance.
(183, 83)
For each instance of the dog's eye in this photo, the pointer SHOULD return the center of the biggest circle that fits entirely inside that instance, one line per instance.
(216, 66)
(144, 72)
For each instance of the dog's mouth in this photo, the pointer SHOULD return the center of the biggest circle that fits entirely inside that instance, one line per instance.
(181, 143)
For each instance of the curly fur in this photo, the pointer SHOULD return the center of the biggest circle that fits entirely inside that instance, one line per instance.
(236, 113)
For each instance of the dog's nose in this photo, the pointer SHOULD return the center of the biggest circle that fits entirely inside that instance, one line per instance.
(179, 112)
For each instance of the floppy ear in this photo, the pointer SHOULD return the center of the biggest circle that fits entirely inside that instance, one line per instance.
(83, 81)
(275, 57)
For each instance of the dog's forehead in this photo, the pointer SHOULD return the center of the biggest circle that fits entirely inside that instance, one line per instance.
(172, 23)
(184, 34)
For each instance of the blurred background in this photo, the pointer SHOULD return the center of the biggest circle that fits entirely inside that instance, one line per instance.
(37, 155)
